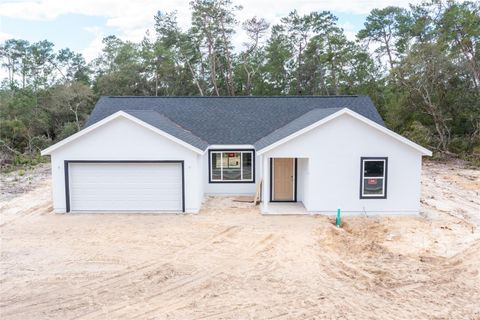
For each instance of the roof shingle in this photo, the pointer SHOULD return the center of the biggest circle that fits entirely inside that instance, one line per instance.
(161, 122)
(203, 121)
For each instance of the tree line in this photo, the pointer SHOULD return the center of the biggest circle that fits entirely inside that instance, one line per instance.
(420, 65)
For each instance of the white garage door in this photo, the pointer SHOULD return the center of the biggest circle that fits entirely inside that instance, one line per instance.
(125, 186)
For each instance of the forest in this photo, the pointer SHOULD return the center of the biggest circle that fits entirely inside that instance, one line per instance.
(420, 65)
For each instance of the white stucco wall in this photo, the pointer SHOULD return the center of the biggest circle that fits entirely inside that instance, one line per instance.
(229, 188)
(122, 139)
(328, 165)
(302, 179)
(334, 151)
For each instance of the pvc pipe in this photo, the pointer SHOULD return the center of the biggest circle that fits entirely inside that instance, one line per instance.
(337, 221)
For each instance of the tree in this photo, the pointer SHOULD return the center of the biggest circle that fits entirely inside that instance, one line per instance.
(389, 29)
(183, 49)
(72, 66)
(15, 54)
(425, 82)
(68, 103)
(459, 28)
(427, 74)
(251, 58)
(299, 30)
(119, 69)
(276, 70)
(213, 25)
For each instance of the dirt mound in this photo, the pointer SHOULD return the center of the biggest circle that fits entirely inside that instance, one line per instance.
(372, 255)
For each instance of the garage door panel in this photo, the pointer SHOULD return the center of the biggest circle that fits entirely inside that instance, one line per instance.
(107, 197)
(125, 186)
(97, 187)
(119, 176)
(121, 205)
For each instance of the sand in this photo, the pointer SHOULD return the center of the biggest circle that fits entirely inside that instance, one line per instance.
(229, 262)
(16, 183)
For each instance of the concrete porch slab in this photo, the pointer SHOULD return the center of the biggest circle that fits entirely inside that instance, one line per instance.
(286, 208)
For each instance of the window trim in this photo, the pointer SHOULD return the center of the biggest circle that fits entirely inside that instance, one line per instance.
(385, 177)
(252, 151)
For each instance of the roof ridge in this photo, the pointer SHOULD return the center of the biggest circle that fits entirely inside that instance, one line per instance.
(233, 97)
(177, 124)
(226, 120)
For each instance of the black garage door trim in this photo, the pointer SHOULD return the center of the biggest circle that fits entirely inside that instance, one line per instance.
(67, 184)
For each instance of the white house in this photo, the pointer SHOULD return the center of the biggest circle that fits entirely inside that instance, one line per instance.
(164, 154)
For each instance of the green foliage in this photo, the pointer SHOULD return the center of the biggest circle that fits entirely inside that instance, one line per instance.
(27, 161)
(458, 145)
(44, 89)
(474, 156)
(66, 130)
(390, 29)
(420, 66)
(419, 133)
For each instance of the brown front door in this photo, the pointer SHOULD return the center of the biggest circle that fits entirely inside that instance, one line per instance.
(283, 177)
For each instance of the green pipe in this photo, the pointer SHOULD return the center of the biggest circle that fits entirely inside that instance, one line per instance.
(337, 221)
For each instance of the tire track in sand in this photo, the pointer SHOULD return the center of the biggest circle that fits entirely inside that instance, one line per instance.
(145, 306)
(49, 298)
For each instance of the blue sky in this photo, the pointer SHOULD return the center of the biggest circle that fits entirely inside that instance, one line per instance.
(81, 24)
(70, 30)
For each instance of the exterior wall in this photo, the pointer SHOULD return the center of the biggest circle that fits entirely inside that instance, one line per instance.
(328, 165)
(233, 188)
(333, 175)
(122, 139)
(302, 179)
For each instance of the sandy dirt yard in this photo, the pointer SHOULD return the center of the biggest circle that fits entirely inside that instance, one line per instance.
(229, 262)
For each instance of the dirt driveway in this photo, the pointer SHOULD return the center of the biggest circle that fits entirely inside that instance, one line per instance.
(229, 262)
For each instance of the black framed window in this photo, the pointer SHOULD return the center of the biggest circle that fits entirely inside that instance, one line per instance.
(373, 178)
(231, 166)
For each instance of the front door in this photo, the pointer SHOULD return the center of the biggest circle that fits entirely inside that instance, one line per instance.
(283, 179)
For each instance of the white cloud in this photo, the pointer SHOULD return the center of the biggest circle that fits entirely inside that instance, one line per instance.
(95, 46)
(128, 14)
(349, 30)
(133, 17)
(5, 36)
(347, 26)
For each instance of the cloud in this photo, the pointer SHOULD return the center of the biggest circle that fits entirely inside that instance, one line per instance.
(132, 18)
(95, 46)
(128, 15)
(5, 36)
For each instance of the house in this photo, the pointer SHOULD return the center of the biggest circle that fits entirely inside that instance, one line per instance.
(164, 154)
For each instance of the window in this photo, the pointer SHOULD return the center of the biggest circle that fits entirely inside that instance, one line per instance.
(373, 184)
(232, 166)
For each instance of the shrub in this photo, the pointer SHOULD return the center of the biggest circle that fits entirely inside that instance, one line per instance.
(419, 133)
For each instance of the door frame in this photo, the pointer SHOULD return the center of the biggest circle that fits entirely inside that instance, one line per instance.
(67, 181)
(295, 169)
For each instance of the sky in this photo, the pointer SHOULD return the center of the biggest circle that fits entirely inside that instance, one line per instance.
(82, 24)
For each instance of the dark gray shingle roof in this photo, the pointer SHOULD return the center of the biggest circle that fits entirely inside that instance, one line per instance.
(298, 124)
(231, 120)
(161, 122)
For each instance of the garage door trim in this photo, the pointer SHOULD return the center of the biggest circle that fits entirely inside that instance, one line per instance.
(67, 182)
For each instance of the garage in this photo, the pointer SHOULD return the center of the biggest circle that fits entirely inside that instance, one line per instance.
(133, 186)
